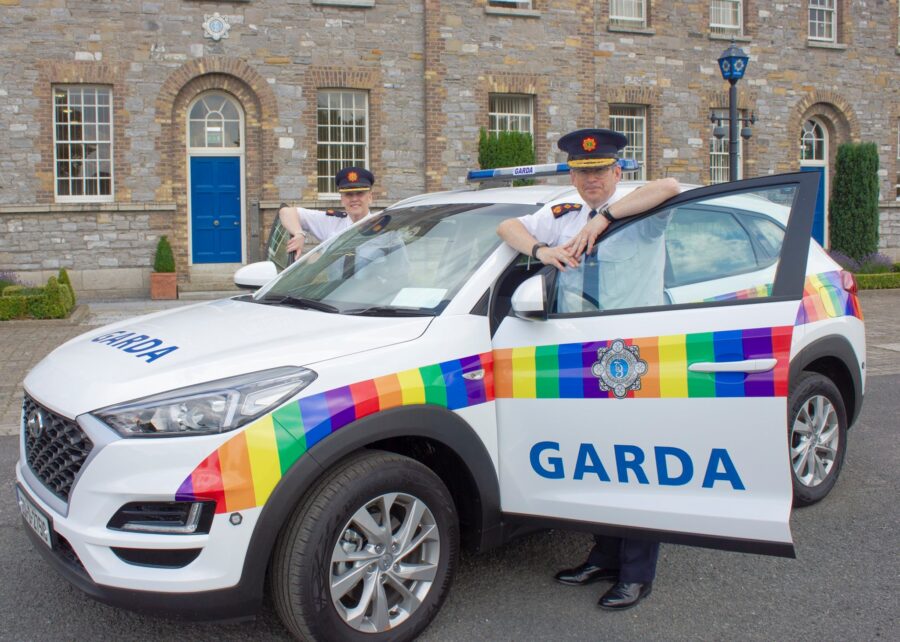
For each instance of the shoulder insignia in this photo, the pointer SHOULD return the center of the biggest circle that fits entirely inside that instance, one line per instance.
(336, 213)
(561, 209)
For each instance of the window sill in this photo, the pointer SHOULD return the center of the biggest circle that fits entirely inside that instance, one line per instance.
(723, 36)
(361, 4)
(51, 208)
(517, 13)
(638, 31)
(815, 44)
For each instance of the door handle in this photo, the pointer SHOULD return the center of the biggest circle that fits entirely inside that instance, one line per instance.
(750, 365)
(474, 375)
(237, 222)
(216, 223)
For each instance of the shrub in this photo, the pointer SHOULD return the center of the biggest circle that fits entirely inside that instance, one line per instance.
(875, 263)
(164, 260)
(506, 149)
(6, 279)
(853, 209)
(64, 280)
(53, 301)
(878, 281)
(13, 307)
(848, 263)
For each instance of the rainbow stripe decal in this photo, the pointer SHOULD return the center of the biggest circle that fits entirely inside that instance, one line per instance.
(564, 371)
(824, 297)
(243, 471)
(760, 291)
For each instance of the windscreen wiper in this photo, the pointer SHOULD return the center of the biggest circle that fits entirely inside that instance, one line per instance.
(299, 302)
(390, 311)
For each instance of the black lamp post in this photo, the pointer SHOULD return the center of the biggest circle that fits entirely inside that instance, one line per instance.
(733, 64)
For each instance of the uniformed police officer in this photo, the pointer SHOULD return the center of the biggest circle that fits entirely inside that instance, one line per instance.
(559, 234)
(355, 187)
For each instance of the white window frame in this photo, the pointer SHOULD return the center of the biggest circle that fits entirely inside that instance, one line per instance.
(631, 120)
(523, 117)
(628, 14)
(339, 160)
(210, 115)
(720, 10)
(719, 156)
(68, 88)
(822, 19)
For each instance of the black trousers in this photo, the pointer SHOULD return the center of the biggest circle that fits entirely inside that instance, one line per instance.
(635, 558)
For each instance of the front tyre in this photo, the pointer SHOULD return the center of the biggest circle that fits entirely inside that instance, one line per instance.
(817, 437)
(369, 554)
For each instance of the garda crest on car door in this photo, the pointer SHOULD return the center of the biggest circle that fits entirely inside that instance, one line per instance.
(653, 399)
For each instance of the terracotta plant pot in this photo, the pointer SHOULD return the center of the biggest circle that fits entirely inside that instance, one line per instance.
(163, 285)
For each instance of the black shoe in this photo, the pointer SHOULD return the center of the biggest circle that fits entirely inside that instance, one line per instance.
(586, 574)
(624, 595)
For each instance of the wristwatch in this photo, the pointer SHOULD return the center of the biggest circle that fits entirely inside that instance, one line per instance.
(605, 214)
(535, 249)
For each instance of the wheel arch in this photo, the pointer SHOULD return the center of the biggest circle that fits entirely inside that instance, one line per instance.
(835, 358)
(435, 436)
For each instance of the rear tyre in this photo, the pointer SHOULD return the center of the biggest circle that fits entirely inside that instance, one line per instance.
(817, 437)
(369, 554)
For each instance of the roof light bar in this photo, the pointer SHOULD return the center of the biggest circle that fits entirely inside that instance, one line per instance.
(535, 171)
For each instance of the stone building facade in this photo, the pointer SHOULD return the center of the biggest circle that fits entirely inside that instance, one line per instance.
(425, 75)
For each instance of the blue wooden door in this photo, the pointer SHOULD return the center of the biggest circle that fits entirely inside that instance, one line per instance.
(216, 209)
(818, 228)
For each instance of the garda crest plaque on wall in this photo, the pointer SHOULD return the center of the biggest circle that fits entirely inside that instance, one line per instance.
(619, 368)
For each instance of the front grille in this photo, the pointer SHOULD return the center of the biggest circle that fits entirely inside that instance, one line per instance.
(55, 447)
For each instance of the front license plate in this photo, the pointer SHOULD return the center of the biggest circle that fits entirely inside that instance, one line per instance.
(35, 517)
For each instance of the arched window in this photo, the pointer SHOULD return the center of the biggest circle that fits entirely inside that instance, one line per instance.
(812, 142)
(215, 122)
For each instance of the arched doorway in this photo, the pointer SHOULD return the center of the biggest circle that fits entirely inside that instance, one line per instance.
(215, 152)
(814, 158)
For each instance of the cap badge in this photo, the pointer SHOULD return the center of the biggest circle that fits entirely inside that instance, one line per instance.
(352, 177)
(589, 144)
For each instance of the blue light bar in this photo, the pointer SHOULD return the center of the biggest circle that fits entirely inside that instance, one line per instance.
(535, 171)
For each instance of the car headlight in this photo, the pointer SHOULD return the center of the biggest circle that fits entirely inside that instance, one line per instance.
(207, 408)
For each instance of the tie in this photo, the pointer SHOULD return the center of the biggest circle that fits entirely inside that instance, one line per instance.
(592, 214)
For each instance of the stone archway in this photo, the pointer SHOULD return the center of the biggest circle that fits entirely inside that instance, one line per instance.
(255, 95)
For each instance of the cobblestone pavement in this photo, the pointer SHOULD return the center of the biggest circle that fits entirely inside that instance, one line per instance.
(24, 343)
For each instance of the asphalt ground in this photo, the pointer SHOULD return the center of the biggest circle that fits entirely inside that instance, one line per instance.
(844, 584)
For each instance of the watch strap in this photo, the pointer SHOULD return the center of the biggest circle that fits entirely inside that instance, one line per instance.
(606, 214)
(535, 249)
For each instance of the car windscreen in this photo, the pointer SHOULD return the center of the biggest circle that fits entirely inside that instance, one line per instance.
(403, 261)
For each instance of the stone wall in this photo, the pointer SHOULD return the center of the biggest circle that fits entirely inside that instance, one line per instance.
(889, 230)
(429, 67)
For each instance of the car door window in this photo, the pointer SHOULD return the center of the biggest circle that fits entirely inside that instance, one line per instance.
(712, 249)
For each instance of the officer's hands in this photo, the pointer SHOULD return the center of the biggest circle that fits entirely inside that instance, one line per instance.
(295, 245)
(558, 257)
(587, 237)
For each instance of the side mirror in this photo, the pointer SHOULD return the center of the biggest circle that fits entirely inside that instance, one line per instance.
(532, 298)
(255, 275)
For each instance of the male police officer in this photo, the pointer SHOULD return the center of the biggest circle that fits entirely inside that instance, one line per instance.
(355, 187)
(558, 234)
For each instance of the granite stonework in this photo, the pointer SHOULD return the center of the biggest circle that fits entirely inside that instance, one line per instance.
(429, 67)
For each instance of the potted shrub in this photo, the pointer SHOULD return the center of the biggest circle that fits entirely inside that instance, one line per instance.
(163, 280)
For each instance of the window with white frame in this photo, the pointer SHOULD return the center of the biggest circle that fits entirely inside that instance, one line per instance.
(343, 135)
(719, 159)
(511, 113)
(510, 4)
(628, 13)
(214, 121)
(812, 142)
(82, 143)
(823, 20)
(631, 120)
(726, 17)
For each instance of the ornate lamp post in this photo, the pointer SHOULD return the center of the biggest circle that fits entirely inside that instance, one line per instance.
(733, 64)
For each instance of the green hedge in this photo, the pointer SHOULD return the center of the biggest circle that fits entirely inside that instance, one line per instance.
(878, 281)
(853, 209)
(164, 260)
(53, 301)
(505, 149)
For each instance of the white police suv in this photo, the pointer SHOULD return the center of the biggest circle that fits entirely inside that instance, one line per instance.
(415, 385)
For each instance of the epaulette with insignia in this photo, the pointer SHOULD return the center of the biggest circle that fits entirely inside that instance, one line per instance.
(336, 213)
(561, 209)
